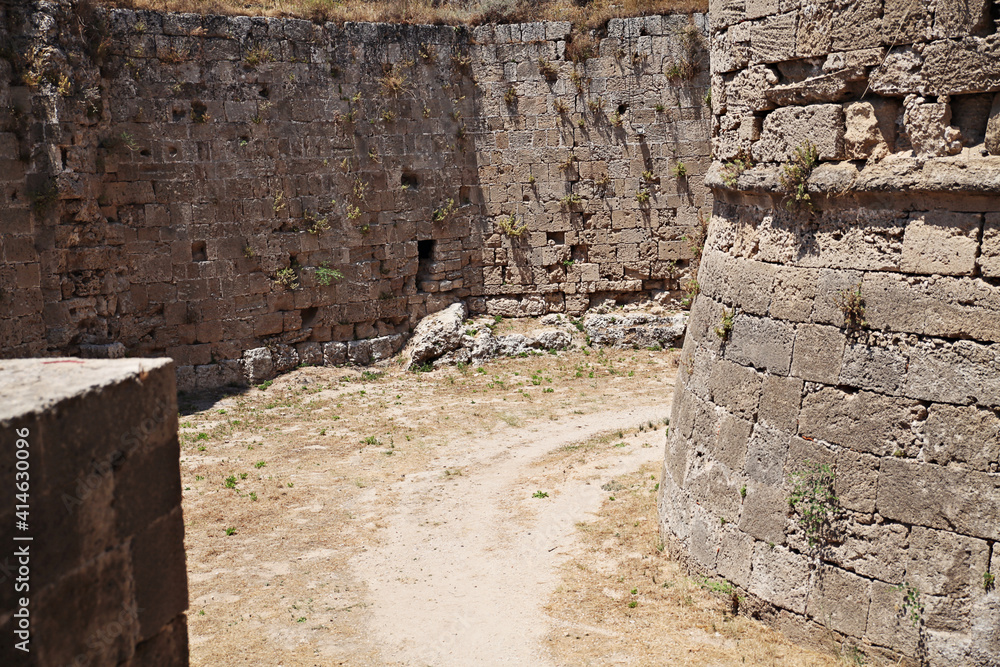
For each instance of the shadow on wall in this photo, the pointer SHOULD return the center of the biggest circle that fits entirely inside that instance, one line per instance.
(204, 186)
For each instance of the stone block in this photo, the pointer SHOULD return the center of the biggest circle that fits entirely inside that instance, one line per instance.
(730, 446)
(818, 353)
(962, 372)
(943, 563)
(887, 624)
(910, 21)
(789, 128)
(830, 289)
(764, 512)
(716, 490)
(780, 400)
(794, 291)
(285, 358)
(735, 556)
(936, 497)
(359, 352)
(735, 388)
(839, 600)
(989, 252)
(310, 354)
(813, 30)
(857, 26)
(955, 19)
(874, 366)
(968, 436)
(781, 577)
(747, 88)
(772, 39)
(722, 13)
(856, 481)
(169, 648)
(928, 128)
(863, 138)
(79, 606)
(334, 354)
(147, 481)
(706, 315)
(863, 421)
(764, 343)
(765, 456)
(160, 570)
(704, 542)
(876, 551)
(384, 347)
(941, 242)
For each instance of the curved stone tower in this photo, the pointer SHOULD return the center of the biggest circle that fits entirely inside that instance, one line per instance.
(835, 434)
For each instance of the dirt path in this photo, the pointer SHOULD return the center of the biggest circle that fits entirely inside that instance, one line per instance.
(495, 516)
(467, 561)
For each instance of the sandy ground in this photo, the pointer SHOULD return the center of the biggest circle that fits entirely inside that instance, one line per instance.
(501, 516)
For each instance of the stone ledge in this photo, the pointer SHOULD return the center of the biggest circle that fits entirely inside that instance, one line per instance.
(899, 176)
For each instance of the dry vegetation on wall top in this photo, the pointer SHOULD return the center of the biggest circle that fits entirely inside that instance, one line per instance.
(583, 13)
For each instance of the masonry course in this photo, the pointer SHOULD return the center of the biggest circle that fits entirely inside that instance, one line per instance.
(864, 329)
(234, 192)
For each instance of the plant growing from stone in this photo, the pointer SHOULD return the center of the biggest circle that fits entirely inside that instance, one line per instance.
(679, 170)
(732, 169)
(989, 581)
(571, 200)
(460, 62)
(725, 328)
(444, 211)
(510, 96)
(852, 306)
(548, 69)
(317, 225)
(393, 80)
(287, 278)
(258, 55)
(509, 226)
(814, 500)
(795, 176)
(325, 275)
(691, 290)
(911, 607)
(642, 196)
(428, 52)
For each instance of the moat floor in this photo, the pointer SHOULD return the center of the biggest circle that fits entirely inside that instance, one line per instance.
(502, 516)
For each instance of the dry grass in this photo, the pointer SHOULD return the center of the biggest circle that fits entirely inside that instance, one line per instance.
(280, 588)
(623, 601)
(592, 15)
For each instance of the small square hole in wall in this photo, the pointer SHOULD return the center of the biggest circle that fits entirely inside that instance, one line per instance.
(578, 253)
(198, 253)
(555, 238)
(425, 250)
(409, 181)
(309, 316)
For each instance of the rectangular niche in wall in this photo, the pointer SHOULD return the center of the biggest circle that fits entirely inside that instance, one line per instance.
(425, 251)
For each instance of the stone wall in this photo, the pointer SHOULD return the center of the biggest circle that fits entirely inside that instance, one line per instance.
(102, 578)
(849, 317)
(202, 187)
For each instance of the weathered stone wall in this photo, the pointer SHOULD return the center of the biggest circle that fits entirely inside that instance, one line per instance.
(94, 446)
(187, 185)
(855, 325)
